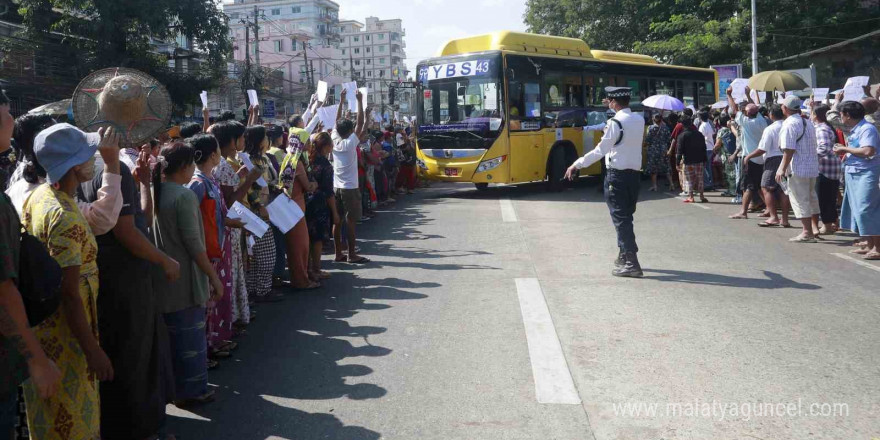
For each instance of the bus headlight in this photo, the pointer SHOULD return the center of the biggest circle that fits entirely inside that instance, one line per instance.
(421, 164)
(490, 164)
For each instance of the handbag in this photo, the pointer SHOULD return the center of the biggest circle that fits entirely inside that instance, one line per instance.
(39, 278)
(208, 208)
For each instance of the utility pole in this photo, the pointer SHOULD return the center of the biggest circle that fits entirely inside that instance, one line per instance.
(754, 40)
(257, 34)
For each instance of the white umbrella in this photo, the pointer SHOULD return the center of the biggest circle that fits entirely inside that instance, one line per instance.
(720, 105)
(663, 102)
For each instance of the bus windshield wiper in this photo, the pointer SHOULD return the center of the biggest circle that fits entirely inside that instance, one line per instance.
(468, 132)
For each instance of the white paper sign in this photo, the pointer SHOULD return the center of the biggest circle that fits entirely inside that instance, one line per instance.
(246, 159)
(327, 116)
(756, 96)
(350, 95)
(397, 116)
(854, 88)
(254, 224)
(739, 89)
(252, 97)
(558, 134)
(322, 91)
(284, 213)
(364, 93)
(204, 97)
(819, 95)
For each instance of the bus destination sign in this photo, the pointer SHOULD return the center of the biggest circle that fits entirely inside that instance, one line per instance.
(455, 70)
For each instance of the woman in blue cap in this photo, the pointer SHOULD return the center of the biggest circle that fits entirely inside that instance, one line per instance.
(70, 336)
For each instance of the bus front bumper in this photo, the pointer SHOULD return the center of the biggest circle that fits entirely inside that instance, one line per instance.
(460, 166)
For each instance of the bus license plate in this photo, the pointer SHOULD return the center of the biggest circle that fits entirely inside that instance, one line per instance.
(451, 172)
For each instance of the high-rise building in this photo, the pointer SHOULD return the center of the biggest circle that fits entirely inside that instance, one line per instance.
(375, 53)
(297, 38)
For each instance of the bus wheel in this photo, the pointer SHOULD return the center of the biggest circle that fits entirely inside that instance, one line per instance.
(556, 170)
(481, 186)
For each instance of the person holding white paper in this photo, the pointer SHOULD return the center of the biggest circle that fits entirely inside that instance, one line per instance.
(214, 218)
(302, 126)
(346, 138)
(259, 279)
(234, 184)
(293, 180)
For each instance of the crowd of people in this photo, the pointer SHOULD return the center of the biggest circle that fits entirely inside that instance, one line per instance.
(819, 166)
(158, 274)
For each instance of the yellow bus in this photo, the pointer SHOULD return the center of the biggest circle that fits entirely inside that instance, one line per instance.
(493, 108)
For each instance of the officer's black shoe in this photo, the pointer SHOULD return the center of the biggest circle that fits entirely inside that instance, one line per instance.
(620, 261)
(631, 269)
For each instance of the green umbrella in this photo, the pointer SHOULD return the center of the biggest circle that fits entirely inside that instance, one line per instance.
(777, 81)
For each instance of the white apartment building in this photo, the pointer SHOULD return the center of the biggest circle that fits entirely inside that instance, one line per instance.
(290, 32)
(375, 52)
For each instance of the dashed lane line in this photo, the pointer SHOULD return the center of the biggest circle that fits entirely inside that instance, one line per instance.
(553, 381)
(508, 214)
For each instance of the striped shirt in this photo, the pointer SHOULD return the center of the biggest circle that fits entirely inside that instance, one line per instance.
(830, 165)
(797, 134)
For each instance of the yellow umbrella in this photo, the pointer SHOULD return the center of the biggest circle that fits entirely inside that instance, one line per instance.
(777, 81)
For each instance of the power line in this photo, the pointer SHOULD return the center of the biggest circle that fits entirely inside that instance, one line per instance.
(826, 25)
(809, 37)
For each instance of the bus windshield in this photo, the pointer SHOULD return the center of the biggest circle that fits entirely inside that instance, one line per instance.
(461, 104)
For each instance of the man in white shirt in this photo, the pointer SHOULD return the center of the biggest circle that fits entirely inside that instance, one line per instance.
(800, 165)
(768, 148)
(346, 138)
(621, 146)
(707, 128)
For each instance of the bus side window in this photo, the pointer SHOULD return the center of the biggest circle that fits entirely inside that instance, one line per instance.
(661, 87)
(597, 117)
(599, 90)
(563, 90)
(706, 94)
(590, 90)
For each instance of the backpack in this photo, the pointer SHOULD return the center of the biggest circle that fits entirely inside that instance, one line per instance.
(39, 278)
(729, 142)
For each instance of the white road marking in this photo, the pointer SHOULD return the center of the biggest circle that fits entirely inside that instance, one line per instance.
(508, 214)
(698, 205)
(553, 382)
(857, 261)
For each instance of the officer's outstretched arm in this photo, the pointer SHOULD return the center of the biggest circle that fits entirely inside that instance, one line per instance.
(612, 132)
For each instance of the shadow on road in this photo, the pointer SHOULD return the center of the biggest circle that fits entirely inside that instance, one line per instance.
(304, 350)
(773, 280)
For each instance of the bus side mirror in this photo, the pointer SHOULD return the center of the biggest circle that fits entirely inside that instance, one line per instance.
(510, 74)
(462, 91)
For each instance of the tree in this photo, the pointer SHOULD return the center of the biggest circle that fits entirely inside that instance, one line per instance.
(109, 33)
(706, 32)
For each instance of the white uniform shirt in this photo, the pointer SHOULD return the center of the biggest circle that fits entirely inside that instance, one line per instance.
(770, 140)
(625, 156)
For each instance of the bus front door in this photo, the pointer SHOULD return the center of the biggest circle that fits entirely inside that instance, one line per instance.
(528, 157)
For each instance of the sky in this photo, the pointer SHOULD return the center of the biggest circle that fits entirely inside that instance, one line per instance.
(431, 23)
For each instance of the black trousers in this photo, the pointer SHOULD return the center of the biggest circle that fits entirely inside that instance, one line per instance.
(827, 190)
(621, 195)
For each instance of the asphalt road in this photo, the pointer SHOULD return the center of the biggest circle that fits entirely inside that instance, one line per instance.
(493, 315)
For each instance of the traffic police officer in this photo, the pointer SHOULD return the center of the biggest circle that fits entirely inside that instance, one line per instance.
(621, 145)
